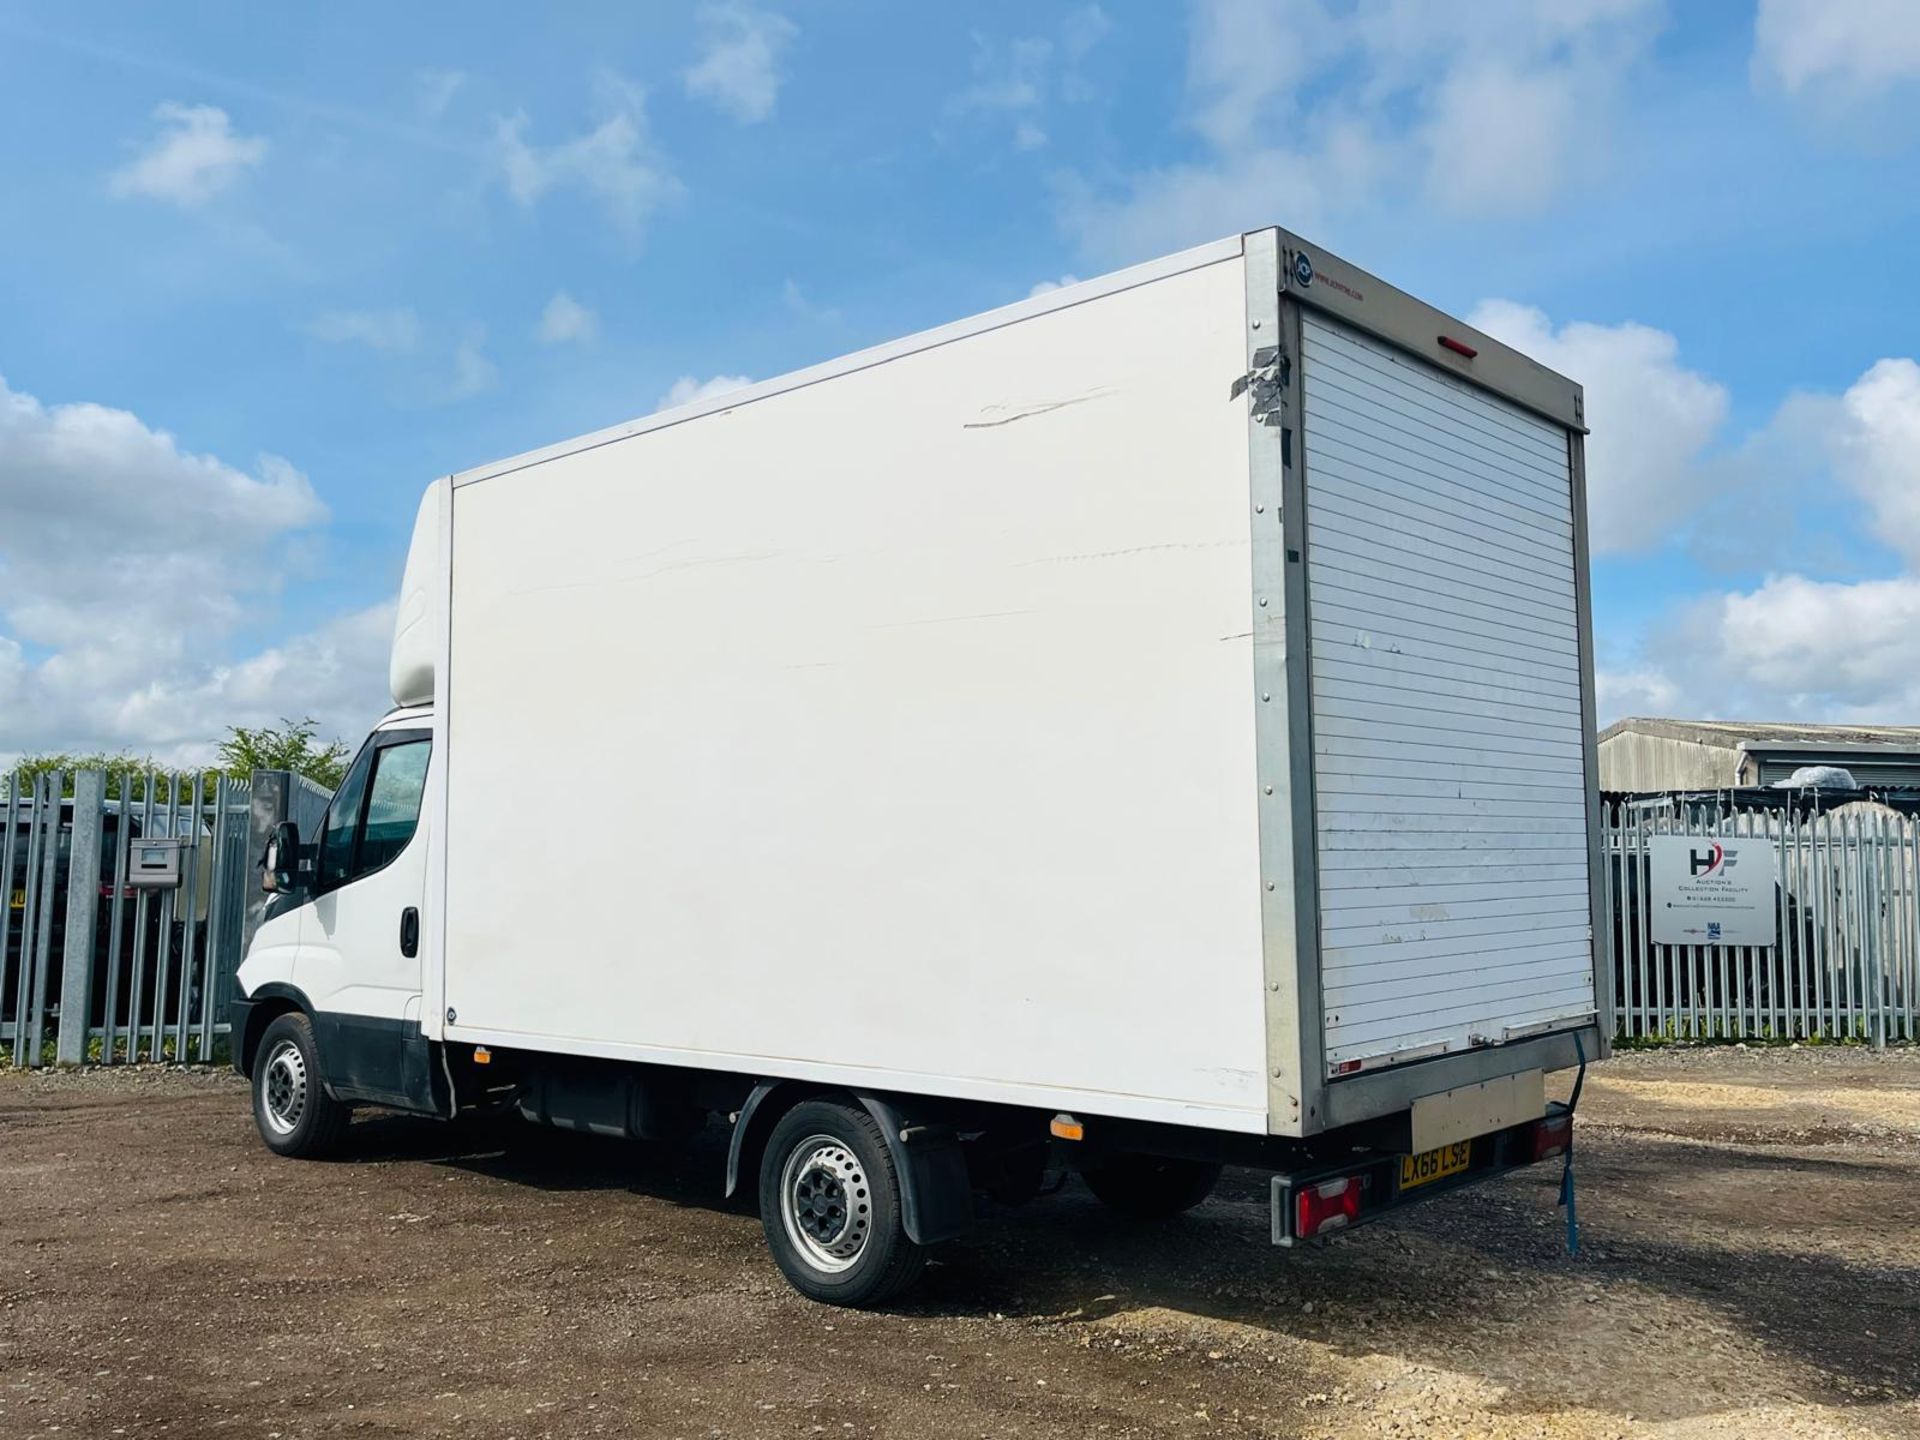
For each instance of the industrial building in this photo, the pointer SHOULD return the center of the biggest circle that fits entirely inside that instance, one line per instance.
(1639, 754)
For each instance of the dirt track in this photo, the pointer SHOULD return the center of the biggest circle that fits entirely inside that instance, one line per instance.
(1751, 1268)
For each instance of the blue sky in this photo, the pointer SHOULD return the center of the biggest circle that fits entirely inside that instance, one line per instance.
(266, 273)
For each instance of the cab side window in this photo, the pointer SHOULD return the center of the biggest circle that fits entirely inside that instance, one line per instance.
(342, 824)
(393, 804)
(376, 809)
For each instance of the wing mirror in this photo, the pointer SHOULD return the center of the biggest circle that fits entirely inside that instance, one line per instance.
(279, 867)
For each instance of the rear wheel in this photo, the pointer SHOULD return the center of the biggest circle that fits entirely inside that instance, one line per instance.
(830, 1202)
(1150, 1187)
(291, 1107)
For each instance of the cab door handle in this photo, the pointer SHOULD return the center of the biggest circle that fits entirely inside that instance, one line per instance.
(410, 931)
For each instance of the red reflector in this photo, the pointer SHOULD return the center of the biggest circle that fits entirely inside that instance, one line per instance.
(1552, 1135)
(1457, 347)
(1326, 1206)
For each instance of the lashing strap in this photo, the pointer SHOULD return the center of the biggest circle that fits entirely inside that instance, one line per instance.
(1566, 1173)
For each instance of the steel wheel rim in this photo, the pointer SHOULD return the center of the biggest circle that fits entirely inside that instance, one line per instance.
(826, 1203)
(283, 1092)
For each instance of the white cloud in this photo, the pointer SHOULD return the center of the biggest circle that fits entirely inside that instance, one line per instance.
(436, 89)
(1524, 96)
(1875, 444)
(1839, 643)
(1006, 78)
(803, 305)
(1793, 493)
(1847, 51)
(1082, 29)
(87, 480)
(1043, 287)
(436, 372)
(473, 372)
(1027, 135)
(1652, 419)
(397, 329)
(1330, 109)
(1797, 646)
(126, 567)
(195, 156)
(335, 673)
(1246, 59)
(1498, 137)
(1638, 691)
(616, 162)
(687, 389)
(565, 319)
(1170, 208)
(1014, 80)
(739, 65)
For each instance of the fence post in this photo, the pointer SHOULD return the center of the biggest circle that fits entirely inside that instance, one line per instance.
(83, 900)
(213, 992)
(14, 818)
(54, 781)
(267, 806)
(116, 915)
(192, 857)
(29, 901)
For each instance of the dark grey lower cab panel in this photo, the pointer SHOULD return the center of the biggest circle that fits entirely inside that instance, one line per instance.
(380, 1062)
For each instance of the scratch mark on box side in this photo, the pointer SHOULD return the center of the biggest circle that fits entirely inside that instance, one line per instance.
(1028, 412)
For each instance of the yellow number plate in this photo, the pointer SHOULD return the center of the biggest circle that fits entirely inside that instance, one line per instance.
(1430, 1165)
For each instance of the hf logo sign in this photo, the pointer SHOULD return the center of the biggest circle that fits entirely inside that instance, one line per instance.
(1703, 891)
(1709, 861)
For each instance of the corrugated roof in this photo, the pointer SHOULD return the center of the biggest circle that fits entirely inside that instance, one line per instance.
(1767, 734)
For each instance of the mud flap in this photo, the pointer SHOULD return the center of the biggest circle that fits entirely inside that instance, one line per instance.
(936, 1199)
(936, 1192)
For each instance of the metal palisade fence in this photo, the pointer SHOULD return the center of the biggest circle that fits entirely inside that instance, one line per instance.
(106, 958)
(128, 905)
(1845, 900)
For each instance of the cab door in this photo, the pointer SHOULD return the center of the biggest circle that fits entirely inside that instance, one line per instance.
(359, 959)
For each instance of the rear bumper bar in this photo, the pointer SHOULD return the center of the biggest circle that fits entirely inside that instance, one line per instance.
(1377, 1177)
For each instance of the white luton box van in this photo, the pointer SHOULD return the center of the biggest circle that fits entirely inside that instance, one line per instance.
(1144, 728)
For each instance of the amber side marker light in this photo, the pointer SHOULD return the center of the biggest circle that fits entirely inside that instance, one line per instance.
(1065, 1127)
(482, 1055)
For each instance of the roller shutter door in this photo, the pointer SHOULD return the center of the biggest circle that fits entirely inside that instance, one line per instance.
(1450, 812)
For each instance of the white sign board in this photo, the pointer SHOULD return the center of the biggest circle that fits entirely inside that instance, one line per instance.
(1712, 890)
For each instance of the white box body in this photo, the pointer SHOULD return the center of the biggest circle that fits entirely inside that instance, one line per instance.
(927, 722)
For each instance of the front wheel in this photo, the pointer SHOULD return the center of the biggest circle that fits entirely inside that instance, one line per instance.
(291, 1107)
(1149, 1187)
(830, 1202)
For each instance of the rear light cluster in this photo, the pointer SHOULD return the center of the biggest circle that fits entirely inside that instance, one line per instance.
(1552, 1136)
(1330, 1205)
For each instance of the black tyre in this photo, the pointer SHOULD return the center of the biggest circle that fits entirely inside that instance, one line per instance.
(1150, 1187)
(291, 1107)
(830, 1203)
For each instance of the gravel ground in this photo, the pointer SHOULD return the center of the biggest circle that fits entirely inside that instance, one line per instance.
(1751, 1268)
